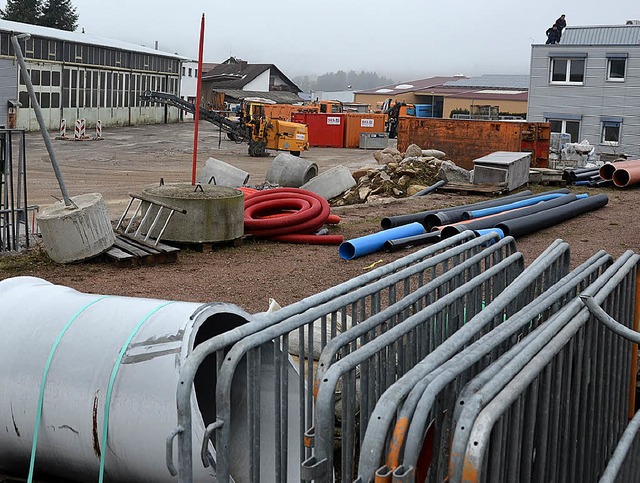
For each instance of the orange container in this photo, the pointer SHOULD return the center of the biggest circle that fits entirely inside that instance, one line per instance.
(465, 140)
(280, 111)
(356, 123)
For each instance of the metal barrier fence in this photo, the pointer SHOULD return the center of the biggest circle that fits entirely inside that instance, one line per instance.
(13, 190)
(392, 298)
(545, 270)
(385, 356)
(454, 363)
(215, 347)
(424, 419)
(559, 401)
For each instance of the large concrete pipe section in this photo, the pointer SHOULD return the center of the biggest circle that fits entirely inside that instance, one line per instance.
(89, 383)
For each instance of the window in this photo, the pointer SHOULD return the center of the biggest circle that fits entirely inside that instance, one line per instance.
(195, 72)
(566, 126)
(616, 66)
(190, 71)
(611, 131)
(184, 71)
(567, 71)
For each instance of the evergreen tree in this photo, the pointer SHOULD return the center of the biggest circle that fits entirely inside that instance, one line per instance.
(59, 14)
(25, 11)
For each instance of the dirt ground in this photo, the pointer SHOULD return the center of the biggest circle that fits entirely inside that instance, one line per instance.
(129, 159)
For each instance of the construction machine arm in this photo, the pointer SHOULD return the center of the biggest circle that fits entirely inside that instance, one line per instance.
(234, 128)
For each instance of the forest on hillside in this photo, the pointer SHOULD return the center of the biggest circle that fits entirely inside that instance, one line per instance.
(341, 80)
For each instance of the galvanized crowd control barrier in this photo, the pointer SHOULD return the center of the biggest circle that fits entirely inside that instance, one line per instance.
(454, 363)
(217, 347)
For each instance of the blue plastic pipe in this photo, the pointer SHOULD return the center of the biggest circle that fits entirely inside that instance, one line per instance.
(468, 215)
(486, 231)
(372, 243)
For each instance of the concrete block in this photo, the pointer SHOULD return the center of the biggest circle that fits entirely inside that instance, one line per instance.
(76, 233)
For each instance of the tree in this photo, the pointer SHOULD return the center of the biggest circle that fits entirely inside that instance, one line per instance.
(59, 14)
(25, 11)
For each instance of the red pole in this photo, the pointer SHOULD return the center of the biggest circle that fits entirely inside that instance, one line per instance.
(197, 114)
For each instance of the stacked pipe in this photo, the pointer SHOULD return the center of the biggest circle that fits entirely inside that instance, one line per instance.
(290, 215)
(514, 215)
(585, 177)
(622, 173)
(619, 173)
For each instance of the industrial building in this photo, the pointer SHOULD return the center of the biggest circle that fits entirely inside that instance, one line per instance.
(77, 75)
(588, 86)
(482, 97)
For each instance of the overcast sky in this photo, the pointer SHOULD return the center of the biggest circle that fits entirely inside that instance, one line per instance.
(403, 39)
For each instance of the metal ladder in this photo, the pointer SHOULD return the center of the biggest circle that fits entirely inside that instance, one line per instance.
(146, 218)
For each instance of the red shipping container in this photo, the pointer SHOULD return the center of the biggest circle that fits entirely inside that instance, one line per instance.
(324, 130)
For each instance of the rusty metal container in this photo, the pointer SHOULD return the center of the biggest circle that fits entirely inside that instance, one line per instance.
(356, 123)
(465, 140)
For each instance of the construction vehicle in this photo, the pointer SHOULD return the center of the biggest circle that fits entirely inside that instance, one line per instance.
(252, 126)
(399, 110)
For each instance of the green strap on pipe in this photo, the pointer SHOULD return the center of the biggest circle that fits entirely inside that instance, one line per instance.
(112, 380)
(47, 366)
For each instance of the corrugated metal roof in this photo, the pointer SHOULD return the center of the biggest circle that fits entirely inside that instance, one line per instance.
(470, 93)
(409, 86)
(601, 35)
(281, 97)
(493, 81)
(78, 37)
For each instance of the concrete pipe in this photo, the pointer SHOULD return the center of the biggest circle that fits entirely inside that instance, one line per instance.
(77, 232)
(89, 383)
(220, 173)
(214, 213)
(333, 182)
(291, 171)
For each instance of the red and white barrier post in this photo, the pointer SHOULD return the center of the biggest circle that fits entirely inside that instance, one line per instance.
(80, 131)
(98, 129)
(63, 128)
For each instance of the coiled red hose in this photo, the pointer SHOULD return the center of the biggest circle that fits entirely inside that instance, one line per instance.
(289, 215)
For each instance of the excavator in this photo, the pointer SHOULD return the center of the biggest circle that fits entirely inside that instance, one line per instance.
(252, 126)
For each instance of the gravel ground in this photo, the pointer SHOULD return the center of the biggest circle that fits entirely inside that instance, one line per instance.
(128, 159)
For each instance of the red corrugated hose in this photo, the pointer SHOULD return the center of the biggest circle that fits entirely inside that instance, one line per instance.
(298, 215)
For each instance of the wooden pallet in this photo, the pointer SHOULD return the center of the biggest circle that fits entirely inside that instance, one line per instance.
(472, 189)
(130, 252)
(206, 247)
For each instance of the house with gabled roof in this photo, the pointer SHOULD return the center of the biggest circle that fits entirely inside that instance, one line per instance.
(588, 86)
(237, 79)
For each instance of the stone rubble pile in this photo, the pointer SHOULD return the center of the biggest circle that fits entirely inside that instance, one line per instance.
(397, 175)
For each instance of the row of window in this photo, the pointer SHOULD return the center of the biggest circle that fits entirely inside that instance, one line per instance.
(572, 70)
(75, 53)
(93, 88)
(609, 133)
(192, 72)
